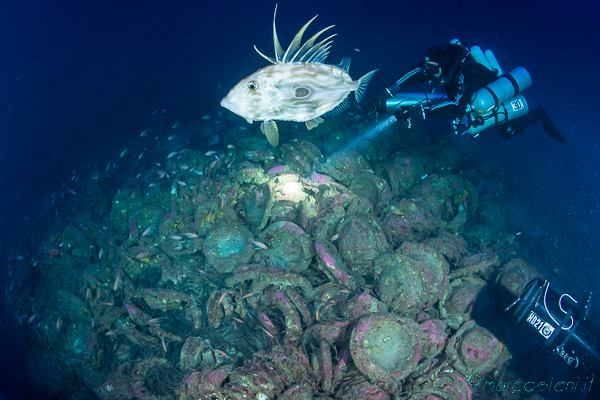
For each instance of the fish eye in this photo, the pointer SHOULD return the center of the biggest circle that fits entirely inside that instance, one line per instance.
(252, 85)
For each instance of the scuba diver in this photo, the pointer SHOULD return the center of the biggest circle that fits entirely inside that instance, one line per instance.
(478, 95)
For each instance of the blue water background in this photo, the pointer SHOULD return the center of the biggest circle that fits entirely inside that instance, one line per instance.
(80, 80)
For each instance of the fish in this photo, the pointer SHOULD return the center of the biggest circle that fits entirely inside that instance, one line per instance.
(268, 333)
(223, 296)
(221, 352)
(298, 87)
(260, 245)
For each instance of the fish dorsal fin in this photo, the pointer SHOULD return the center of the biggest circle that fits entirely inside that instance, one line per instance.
(345, 64)
(363, 82)
(278, 49)
(269, 59)
(296, 51)
(343, 106)
(270, 130)
(308, 45)
(313, 123)
(319, 52)
(295, 45)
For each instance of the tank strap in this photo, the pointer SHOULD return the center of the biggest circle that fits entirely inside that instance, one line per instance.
(513, 82)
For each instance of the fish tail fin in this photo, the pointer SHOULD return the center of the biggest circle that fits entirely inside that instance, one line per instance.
(363, 82)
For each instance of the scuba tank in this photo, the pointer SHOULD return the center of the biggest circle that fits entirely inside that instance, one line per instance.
(515, 108)
(485, 58)
(489, 55)
(500, 90)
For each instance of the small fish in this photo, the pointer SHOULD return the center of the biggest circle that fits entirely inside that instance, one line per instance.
(190, 235)
(164, 345)
(335, 237)
(58, 323)
(172, 154)
(147, 232)
(260, 245)
(72, 192)
(124, 152)
(130, 309)
(100, 253)
(297, 87)
(141, 155)
(175, 237)
(207, 116)
(154, 320)
(117, 281)
(221, 352)
(178, 248)
(213, 140)
(210, 153)
(230, 146)
(176, 125)
(268, 333)
(171, 137)
(181, 183)
(238, 320)
(33, 317)
(223, 297)
(144, 133)
(111, 333)
(247, 295)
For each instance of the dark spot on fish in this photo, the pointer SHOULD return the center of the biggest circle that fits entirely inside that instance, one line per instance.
(252, 85)
(302, 92)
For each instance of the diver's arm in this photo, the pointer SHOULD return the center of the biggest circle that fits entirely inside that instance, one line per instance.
(417, 74)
